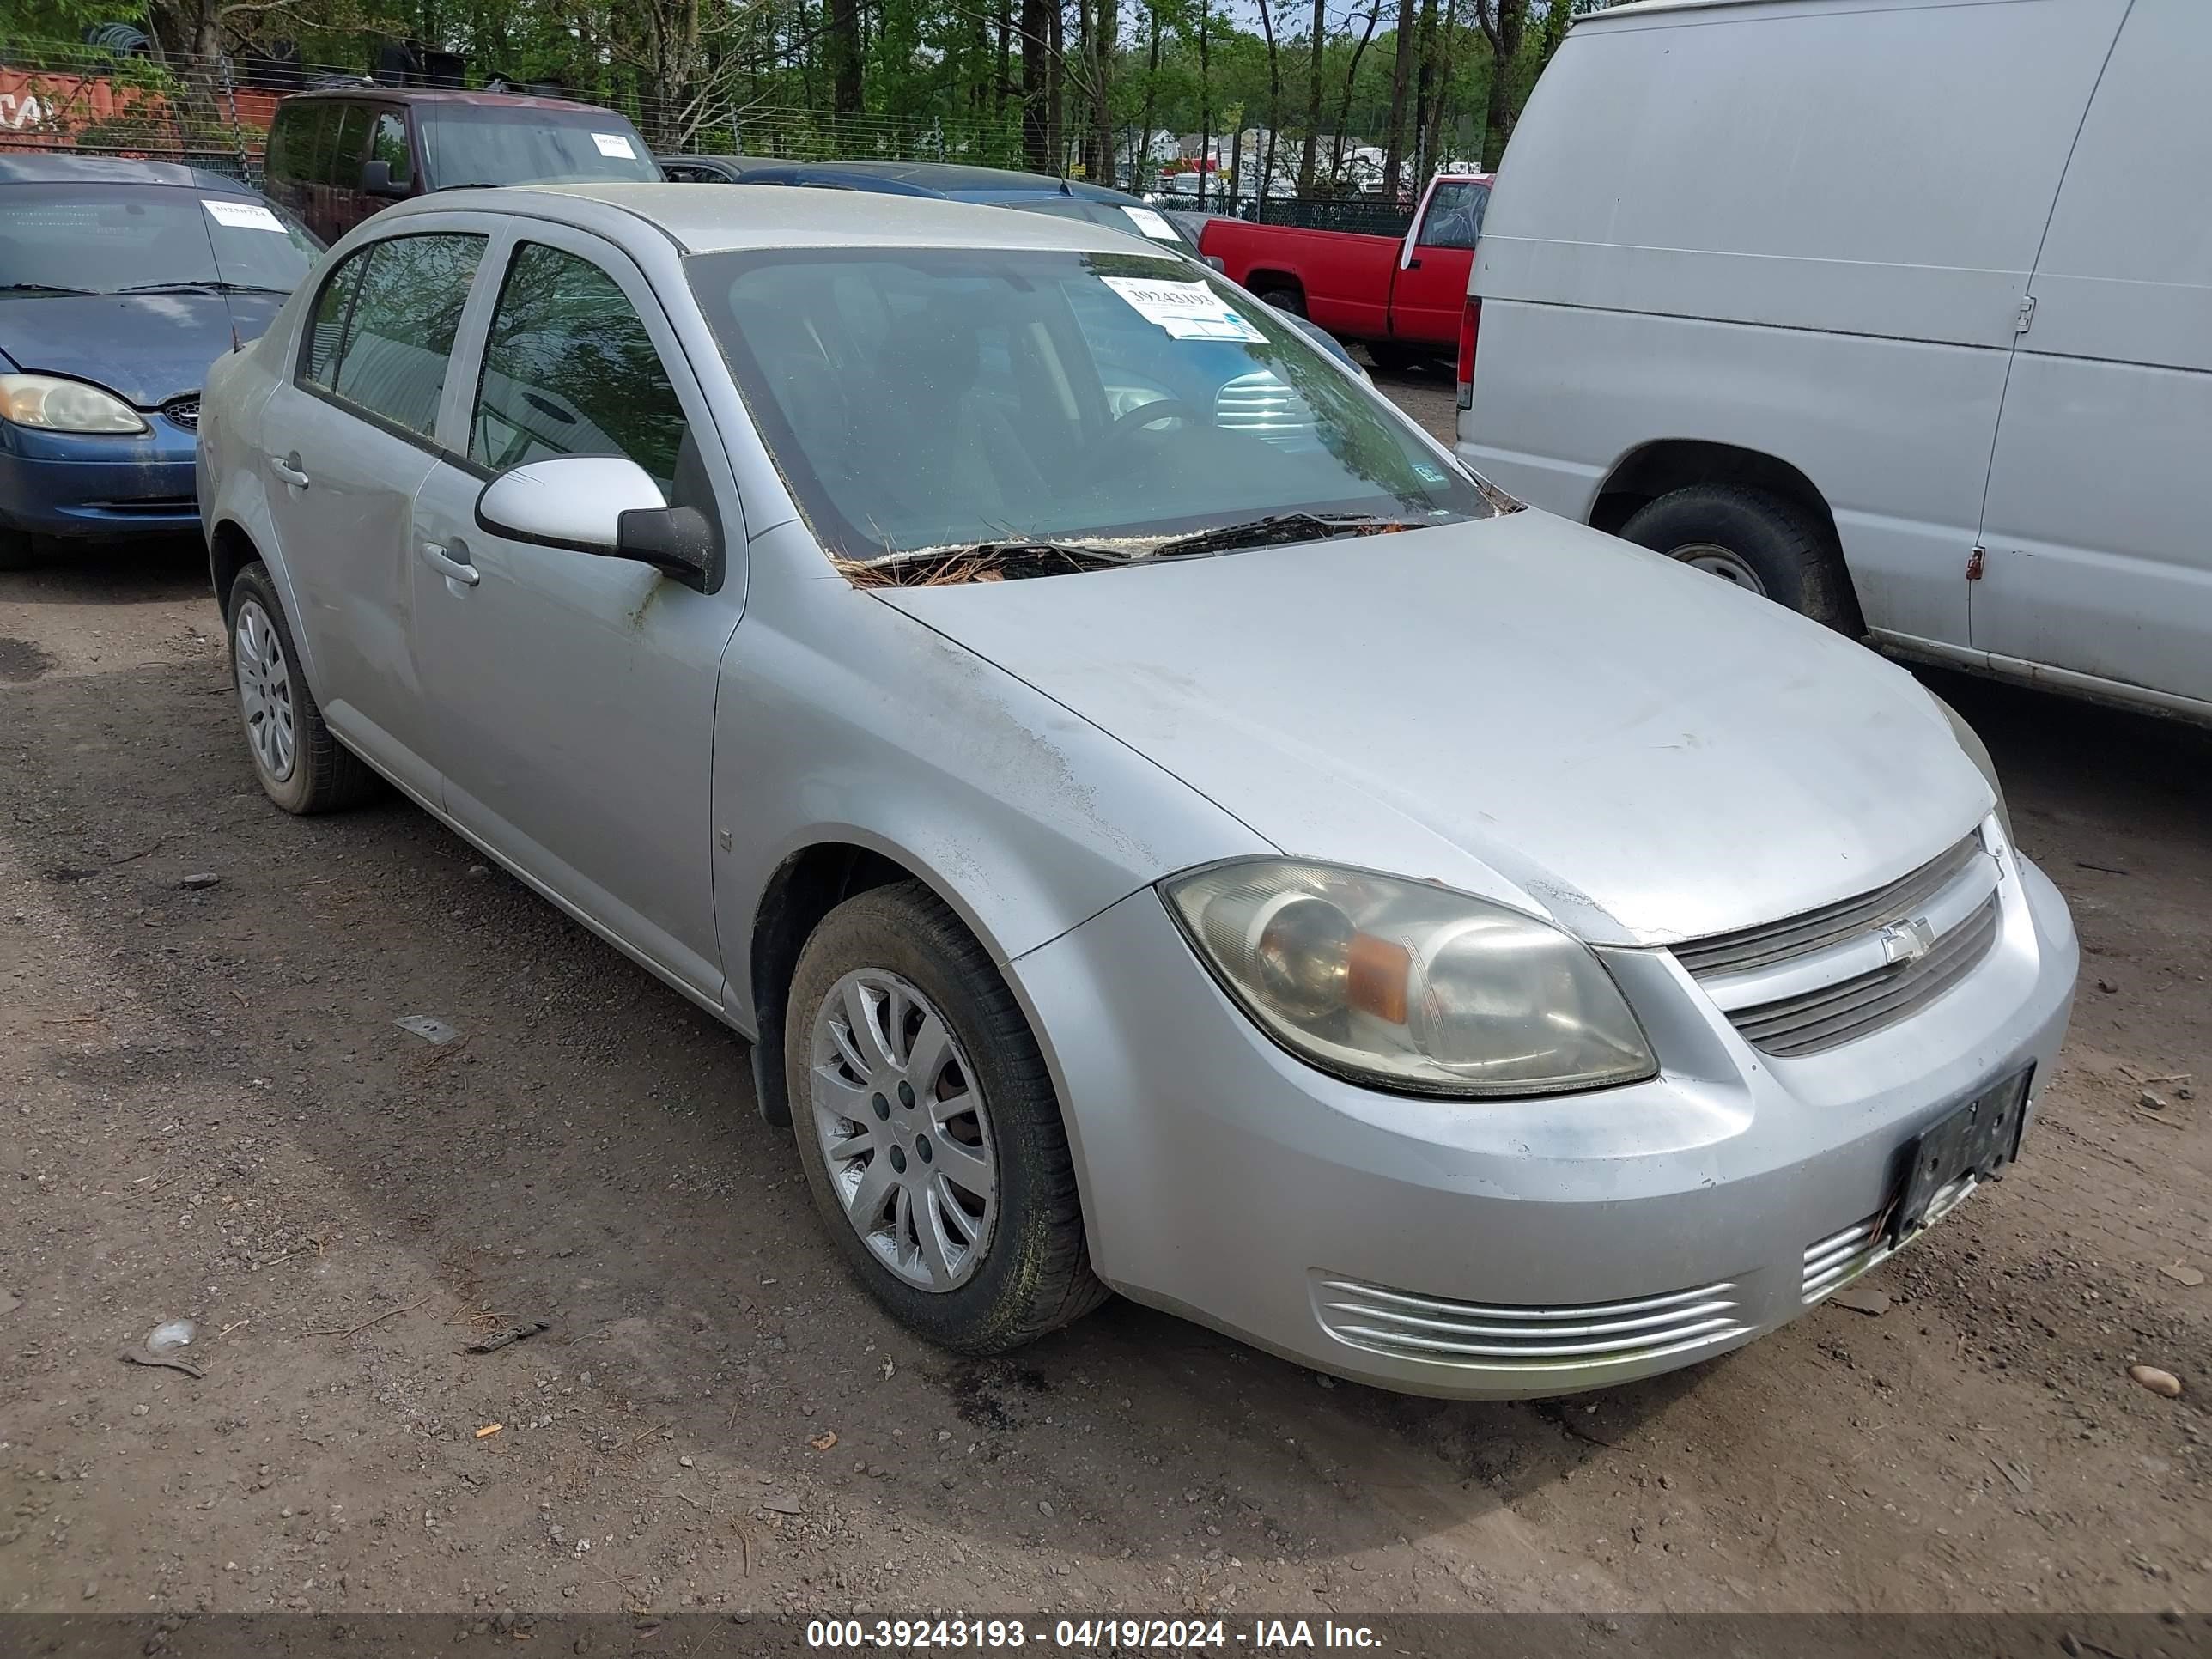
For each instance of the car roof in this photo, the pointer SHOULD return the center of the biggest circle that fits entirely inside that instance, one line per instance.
(54, 169)
(951, 178)
(372, 90)
(717, 221)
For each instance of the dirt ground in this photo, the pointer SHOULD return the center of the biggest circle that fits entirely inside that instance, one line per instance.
(206, 1111)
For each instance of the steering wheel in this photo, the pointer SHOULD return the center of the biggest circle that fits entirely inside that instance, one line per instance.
(1131, 422)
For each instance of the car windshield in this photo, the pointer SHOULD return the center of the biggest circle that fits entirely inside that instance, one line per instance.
(1135, 219)
(920, 399)
(518, 144)
(111, 238)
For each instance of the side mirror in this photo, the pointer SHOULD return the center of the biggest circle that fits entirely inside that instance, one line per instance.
(604, 505)
(376, 179)
(1217, 261)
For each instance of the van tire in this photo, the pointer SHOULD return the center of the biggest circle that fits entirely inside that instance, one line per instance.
(1760, 541)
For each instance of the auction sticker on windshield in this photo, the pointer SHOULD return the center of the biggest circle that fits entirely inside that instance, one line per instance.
(243, 215)
(616, 144)
(1187, 311)
(1152, 224)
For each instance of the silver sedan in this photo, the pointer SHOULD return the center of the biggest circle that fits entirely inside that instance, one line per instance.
(1161, 823)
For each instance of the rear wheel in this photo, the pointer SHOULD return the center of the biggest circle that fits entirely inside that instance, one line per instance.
(928, 1127)
(301, 766)
(1284, 298)
(1753, 539)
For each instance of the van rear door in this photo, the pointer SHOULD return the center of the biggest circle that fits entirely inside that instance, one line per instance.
(2096, 559)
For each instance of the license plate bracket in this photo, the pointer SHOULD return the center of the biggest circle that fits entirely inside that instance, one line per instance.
(1978, 1138)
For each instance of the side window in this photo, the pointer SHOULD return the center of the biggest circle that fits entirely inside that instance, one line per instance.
(394, 341)
(276, 159)
(314, 131)
(1454, 217)
(569, 370)
(352, 140)
(388, 144)
(333, 310)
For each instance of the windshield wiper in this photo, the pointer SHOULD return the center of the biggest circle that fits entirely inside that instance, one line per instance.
(1276, 529)
(42, 288)
(210, 284)
(935, 566)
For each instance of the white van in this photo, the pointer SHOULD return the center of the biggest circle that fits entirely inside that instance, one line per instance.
(1896, 311)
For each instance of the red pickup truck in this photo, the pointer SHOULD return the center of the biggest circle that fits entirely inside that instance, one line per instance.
(1402, 295)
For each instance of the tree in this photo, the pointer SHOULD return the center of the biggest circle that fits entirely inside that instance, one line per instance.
(847, 95)
(1401, 65)
(1313, 98)
(1502, 22)
(1037, 93)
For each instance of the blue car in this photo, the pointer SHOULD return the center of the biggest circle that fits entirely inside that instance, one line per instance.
(120, 281)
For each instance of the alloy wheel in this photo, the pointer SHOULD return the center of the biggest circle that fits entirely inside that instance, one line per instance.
(264, 691)
(904, 1130)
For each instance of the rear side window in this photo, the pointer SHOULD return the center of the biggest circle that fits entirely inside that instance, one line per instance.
(383, 328)
(388, 144)
(569, 370)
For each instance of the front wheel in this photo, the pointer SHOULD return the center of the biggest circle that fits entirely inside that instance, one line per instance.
(928, 1129)
(1752, 539)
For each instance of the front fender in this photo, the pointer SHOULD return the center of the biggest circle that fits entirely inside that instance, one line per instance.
(840, 719)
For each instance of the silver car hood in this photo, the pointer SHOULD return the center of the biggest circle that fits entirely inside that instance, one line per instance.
(1518, 707)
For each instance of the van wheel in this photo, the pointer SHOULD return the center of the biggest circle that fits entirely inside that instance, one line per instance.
(1284, 299)
(301, 766)
(928, 1129)
(1760, 542)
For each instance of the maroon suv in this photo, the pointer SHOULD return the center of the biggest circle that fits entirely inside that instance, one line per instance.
(338, 155)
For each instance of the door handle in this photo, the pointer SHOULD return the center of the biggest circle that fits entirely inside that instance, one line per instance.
(291, 470)
(451, 568)
(1414, 263)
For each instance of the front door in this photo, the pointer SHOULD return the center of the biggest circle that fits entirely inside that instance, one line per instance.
(575, 693)
(347, 439)
(1429, 292)
(2096, 557)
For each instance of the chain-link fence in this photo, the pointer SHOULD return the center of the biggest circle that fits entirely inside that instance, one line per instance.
(1367, 216)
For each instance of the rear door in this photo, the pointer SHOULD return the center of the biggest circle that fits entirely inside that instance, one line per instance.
(1429, 291)
(2096, 558)
(574, 694)
(346, 441)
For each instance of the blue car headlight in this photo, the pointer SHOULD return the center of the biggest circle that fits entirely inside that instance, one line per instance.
(51, 404)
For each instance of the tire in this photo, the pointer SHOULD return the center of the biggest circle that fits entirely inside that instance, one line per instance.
(301, 766)
(1759, 541)
(1399, 358)
(18, 552)
(1023, 1269)
(1284, 298)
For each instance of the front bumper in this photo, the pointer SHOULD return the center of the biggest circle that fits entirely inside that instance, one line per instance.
(1505, 1250)
(83, 485)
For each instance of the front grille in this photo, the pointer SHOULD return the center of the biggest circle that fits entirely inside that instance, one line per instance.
(1487, 1337)
(1800, 935)
(185, 412)
(1852, 1008)
(1833, 1262)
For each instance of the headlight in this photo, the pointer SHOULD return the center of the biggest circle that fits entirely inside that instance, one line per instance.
(59, 406)
(1978, 753)
(1408, 985)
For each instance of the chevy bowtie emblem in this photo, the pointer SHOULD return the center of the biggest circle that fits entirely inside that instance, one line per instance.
(1907, 941)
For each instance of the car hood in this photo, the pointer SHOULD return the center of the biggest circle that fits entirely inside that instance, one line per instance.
(145, 348)
(1517, 707)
